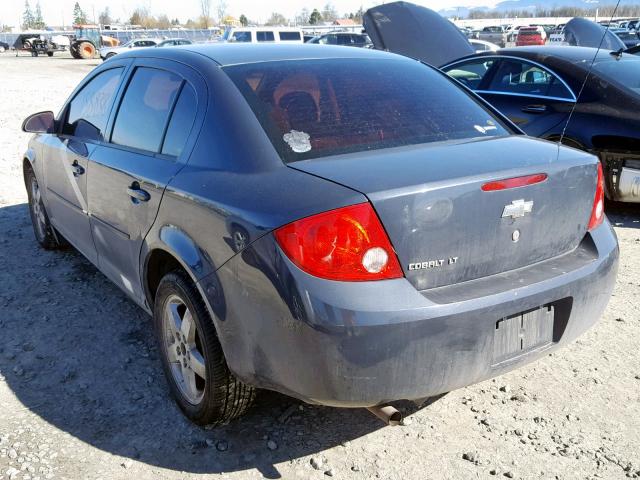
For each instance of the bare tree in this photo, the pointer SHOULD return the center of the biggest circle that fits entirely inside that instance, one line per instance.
(221, 10)
(303, 17)
(329, 12)
(276, 19)
(205, 13)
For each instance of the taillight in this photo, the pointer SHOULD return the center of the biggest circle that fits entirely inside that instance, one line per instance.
(597, 212)
(347, 244)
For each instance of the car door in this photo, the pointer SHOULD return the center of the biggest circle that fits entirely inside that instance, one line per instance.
(155, 113)
(82, 125)
(530, 95)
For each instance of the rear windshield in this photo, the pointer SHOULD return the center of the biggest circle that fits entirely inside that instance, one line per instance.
(317, 108)
(625, 71)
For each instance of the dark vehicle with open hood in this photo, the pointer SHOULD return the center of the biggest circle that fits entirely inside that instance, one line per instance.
(587, 97)
(287, 232)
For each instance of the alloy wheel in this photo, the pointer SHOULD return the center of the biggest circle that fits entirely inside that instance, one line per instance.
(184, 350)
(38, 209)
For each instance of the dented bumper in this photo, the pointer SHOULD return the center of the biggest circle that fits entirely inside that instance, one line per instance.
(353, 344)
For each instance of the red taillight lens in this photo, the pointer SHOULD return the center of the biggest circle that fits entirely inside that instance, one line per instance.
(597, 213)
(347, 244)
(515, 182)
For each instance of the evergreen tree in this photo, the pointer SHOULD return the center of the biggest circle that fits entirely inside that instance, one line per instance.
(79, 17)
(315, 17)
(28, 19)
(38, 21)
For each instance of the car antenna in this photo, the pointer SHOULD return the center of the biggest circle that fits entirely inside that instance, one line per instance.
(586, 78)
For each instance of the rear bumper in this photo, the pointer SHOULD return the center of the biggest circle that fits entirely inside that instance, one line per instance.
(361, 344)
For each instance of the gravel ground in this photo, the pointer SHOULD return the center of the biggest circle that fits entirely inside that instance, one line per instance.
(82, 393)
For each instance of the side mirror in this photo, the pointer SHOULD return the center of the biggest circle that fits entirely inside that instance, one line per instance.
(41, 122)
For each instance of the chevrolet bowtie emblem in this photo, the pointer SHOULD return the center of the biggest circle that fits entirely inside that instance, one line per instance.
(517, 209)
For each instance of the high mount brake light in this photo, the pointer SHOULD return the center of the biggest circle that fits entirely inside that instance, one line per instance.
(346, 244)
(597, 212)
(515, 182)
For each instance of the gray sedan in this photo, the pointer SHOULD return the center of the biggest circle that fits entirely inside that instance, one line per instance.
(343, 225)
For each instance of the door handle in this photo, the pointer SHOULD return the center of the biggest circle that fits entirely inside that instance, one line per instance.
(534, 108)
(77, 168)
(137, 194)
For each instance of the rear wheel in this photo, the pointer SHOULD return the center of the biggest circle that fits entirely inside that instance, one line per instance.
(42, 228)
(86, 50)
(50, 54)
(192, 358)
(2, 49)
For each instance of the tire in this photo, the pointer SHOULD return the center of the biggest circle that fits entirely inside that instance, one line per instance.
(42, 228)
(2, 49)
(109, 55)
(86, 50)
(73, 50)
(212, 396)
(50, 54)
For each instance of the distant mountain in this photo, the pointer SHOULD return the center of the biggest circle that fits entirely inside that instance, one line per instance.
(532, 5)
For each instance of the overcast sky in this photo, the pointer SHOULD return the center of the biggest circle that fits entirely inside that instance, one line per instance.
(57, 12)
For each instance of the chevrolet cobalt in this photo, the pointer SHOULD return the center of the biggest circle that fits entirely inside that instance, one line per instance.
(346, 226)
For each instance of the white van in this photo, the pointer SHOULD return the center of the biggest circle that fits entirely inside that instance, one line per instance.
(263, 34)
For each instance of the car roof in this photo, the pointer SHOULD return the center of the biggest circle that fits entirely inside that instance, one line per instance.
(234, 54)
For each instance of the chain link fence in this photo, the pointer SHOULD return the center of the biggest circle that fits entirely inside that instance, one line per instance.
(196, 36)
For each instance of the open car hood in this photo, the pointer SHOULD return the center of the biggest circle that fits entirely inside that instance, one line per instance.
(581, 32)
(416, 32)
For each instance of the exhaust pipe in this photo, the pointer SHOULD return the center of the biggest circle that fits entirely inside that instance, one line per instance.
(387, 414)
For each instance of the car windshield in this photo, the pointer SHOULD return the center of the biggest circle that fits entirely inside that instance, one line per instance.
(316, 108)
(130, 42)
(625, 71)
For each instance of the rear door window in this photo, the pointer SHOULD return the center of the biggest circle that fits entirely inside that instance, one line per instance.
(181, 122)
(145, 109)
(265, 36)
(524, 78)
(315, 108)
(88, 112)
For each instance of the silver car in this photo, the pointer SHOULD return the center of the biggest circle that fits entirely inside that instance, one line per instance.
(108, 52)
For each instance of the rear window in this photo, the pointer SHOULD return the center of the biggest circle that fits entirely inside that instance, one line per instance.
(289, 36)
(316, 108)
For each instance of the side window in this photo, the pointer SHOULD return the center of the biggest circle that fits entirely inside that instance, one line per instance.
(241, 37)
(265, 36)
(289, 36)
(344, 39)
(514, 76)
(471, 73)
(145, 108)
(89, 110)
(181, 122)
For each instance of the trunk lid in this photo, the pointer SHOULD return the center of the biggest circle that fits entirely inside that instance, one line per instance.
(440, 221)
(582, 32)
(416, 32)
